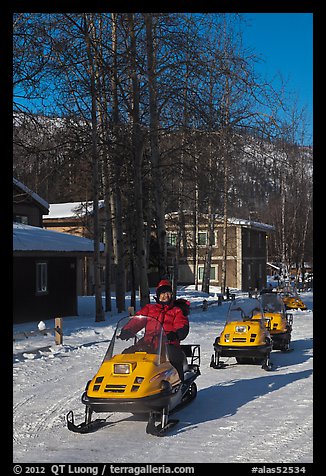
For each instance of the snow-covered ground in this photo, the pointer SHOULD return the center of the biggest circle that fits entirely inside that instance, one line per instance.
(241, 414)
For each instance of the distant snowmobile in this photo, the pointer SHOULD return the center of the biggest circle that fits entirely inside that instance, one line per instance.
(245, 335)
(277, 319)
(139, 379)
(291, 299)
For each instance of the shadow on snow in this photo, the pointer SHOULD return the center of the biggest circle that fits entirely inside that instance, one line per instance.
(222, 400)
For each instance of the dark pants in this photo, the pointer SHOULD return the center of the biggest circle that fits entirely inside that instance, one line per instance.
(176, 357)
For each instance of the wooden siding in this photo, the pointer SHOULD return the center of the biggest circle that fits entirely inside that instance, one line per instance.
(33, 213)
(253, 259)
(61, 298)
(25, 205)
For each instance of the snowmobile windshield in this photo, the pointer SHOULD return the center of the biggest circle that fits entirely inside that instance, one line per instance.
(290, 292)
(138, 334)
(244, 310)
(272, 303)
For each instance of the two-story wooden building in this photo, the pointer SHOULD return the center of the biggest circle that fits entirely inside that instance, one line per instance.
(246, 255)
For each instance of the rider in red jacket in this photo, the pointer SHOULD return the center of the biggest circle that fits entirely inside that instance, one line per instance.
(174, 321)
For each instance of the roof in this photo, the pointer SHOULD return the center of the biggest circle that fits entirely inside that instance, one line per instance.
(278, 268)
(32, 238)
(32, 194)
(234, 221)
(71, 209)
(74, 209)
(252, 224)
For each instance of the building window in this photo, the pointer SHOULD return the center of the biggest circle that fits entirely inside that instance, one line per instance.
(20, 219)
(172, 238)
(41, 278)
(212, 273)
(249, 273)
(260, 270)
(260, 240)
(248, 239)
(202, 238)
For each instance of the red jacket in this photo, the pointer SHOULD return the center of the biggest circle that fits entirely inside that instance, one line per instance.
(172, 319)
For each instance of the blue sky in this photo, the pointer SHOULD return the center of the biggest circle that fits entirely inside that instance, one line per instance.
(285, 42)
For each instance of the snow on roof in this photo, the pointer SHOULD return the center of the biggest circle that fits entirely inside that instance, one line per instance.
(31, 193)
(273, 266)
(71, 209)
(235, 221)
(32, 238)
(254, 224)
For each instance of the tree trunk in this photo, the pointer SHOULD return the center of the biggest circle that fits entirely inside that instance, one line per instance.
(99, 313)
(137, 155)
(159, 201)
(225, 225)
(209, 251)
(107, 240)
(116, 199)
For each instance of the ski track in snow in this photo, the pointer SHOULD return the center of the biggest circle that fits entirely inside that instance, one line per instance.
(241, 414)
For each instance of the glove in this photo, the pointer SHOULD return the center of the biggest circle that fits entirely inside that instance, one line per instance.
(125, 334)
(171, 336)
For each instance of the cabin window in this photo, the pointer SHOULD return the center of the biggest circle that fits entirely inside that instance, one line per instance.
(20, 219)
(41, 277)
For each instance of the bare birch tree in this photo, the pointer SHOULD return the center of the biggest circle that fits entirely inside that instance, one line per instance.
(137, 155)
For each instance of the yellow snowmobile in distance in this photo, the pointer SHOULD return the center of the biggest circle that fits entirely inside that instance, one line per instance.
(291, 299)
(245, 335)
(136, 377)
(277, 319)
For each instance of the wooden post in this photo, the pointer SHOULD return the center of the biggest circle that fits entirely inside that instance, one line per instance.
(58, 334)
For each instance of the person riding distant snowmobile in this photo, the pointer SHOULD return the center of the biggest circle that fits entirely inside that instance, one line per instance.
(173, 315)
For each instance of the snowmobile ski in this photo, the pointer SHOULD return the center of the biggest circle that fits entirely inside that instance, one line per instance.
(159, 424)
(85, 426)
(216, 363)
(165, 424)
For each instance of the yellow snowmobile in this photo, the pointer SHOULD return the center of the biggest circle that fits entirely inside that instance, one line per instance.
(291, 299)
(245, 335)
(139, 379)
(277, 319)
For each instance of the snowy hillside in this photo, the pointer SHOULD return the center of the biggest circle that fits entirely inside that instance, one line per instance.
(241, 414)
